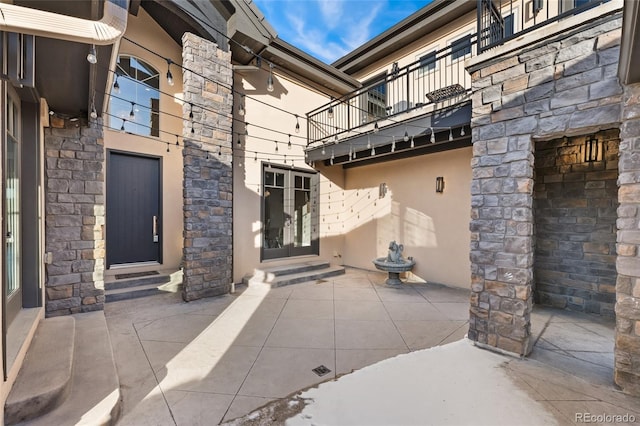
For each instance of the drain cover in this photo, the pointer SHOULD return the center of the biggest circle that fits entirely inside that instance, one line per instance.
(321, 371)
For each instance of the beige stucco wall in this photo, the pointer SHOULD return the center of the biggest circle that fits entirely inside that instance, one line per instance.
(434, 228)
(149, 34)
(290, 96)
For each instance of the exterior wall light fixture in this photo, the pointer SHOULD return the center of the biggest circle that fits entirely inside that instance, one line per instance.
(440, 184)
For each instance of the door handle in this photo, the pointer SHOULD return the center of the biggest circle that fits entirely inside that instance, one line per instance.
(155, 229)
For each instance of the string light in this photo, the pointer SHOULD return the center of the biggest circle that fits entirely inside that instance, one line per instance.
(220, 150)
(207, 156)
(132, 114)
(368, 141)
(116, 86)
(323, 150)
(168, 150)
(462, 131)
(297, 125)
(373, 151)
(406, 134)
(191, 111)
(332, 156)
(450, 135)
(376, 128)
(255, 157)
(94, 113)
(177, 143)
(122, 127)
(413, 144)
(92, 57)
(330, 111)
(276, 145)
(241, 106)
(289, 143)
(270, 79)
(433, 136)
(169, 75)
(393, 145)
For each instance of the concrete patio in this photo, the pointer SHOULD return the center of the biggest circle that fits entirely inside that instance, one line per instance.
(218, 359)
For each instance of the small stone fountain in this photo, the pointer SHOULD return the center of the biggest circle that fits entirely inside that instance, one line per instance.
(394, 264)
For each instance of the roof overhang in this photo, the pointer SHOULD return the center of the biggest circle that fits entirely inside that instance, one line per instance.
(629, 64)
(430, 18)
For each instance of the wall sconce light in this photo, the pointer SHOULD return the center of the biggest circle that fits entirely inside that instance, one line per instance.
(440, 184)
(382, 190)
(592, 149)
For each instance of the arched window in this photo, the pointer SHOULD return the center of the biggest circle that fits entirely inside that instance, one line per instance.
(135, 99)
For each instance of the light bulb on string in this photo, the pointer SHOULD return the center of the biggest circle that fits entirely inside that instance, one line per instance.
(168, 150)
(376, 128)
(297, 124)
(368, 141)
(169, 75)
(373, 151)
(132, 114)
(393, 145)
(255, 157)
(270, 79)
(191, 111)
(323, 150)
(116, 86)
(289, 143)
(406, 135)
(241, 107)
(413, 144)
(433, 136)
(122, 127)
(462, 131)
(207, 156)
(220, 150)
(94, 113)
(276, 145)
(177, 142)
(450, 134)
(92, 56)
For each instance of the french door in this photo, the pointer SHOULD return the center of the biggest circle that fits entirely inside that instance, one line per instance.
(289, 213)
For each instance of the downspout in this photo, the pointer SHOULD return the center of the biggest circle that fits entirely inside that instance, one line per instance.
(108, 30)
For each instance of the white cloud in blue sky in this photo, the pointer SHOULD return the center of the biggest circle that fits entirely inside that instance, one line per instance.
(329, 29)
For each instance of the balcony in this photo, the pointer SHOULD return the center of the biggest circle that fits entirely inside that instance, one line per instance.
(415, 109)
(502, 20)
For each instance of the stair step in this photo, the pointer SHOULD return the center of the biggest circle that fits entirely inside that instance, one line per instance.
(94, 398)
(141, 291)
(313, 275)
(268, 274)
(44, 379)
(137, 281)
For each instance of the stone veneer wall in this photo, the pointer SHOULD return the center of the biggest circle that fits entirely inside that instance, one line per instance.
(575, 224)
(208, 180)
(562, 86)
(627, 348)
(74, 222)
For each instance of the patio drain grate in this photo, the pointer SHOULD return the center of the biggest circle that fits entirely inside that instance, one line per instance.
(321, 371)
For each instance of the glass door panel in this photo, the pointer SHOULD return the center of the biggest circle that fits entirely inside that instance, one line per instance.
(12, 290)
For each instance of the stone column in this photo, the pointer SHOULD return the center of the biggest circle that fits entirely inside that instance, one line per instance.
(208, 180)
(502, 233)
(74, 220)
(627, 347)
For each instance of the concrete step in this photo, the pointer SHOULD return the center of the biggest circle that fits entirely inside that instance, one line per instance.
(44, 380)
(288, 279)
(143, 287)
(94, 397)
(270, 273)
(116, 284)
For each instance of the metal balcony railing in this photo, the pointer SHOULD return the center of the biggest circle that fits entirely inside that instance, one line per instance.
(437, 78)
(501, 20)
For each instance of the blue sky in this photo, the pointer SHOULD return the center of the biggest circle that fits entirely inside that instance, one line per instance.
(328, 29)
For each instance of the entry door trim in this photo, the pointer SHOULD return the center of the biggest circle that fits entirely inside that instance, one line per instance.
(160, 207)
(289, 251)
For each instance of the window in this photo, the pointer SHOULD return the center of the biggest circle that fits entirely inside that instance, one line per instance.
(139, 92)
(509, 28)
(461, 47)
(427, 62)
(375, 98)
